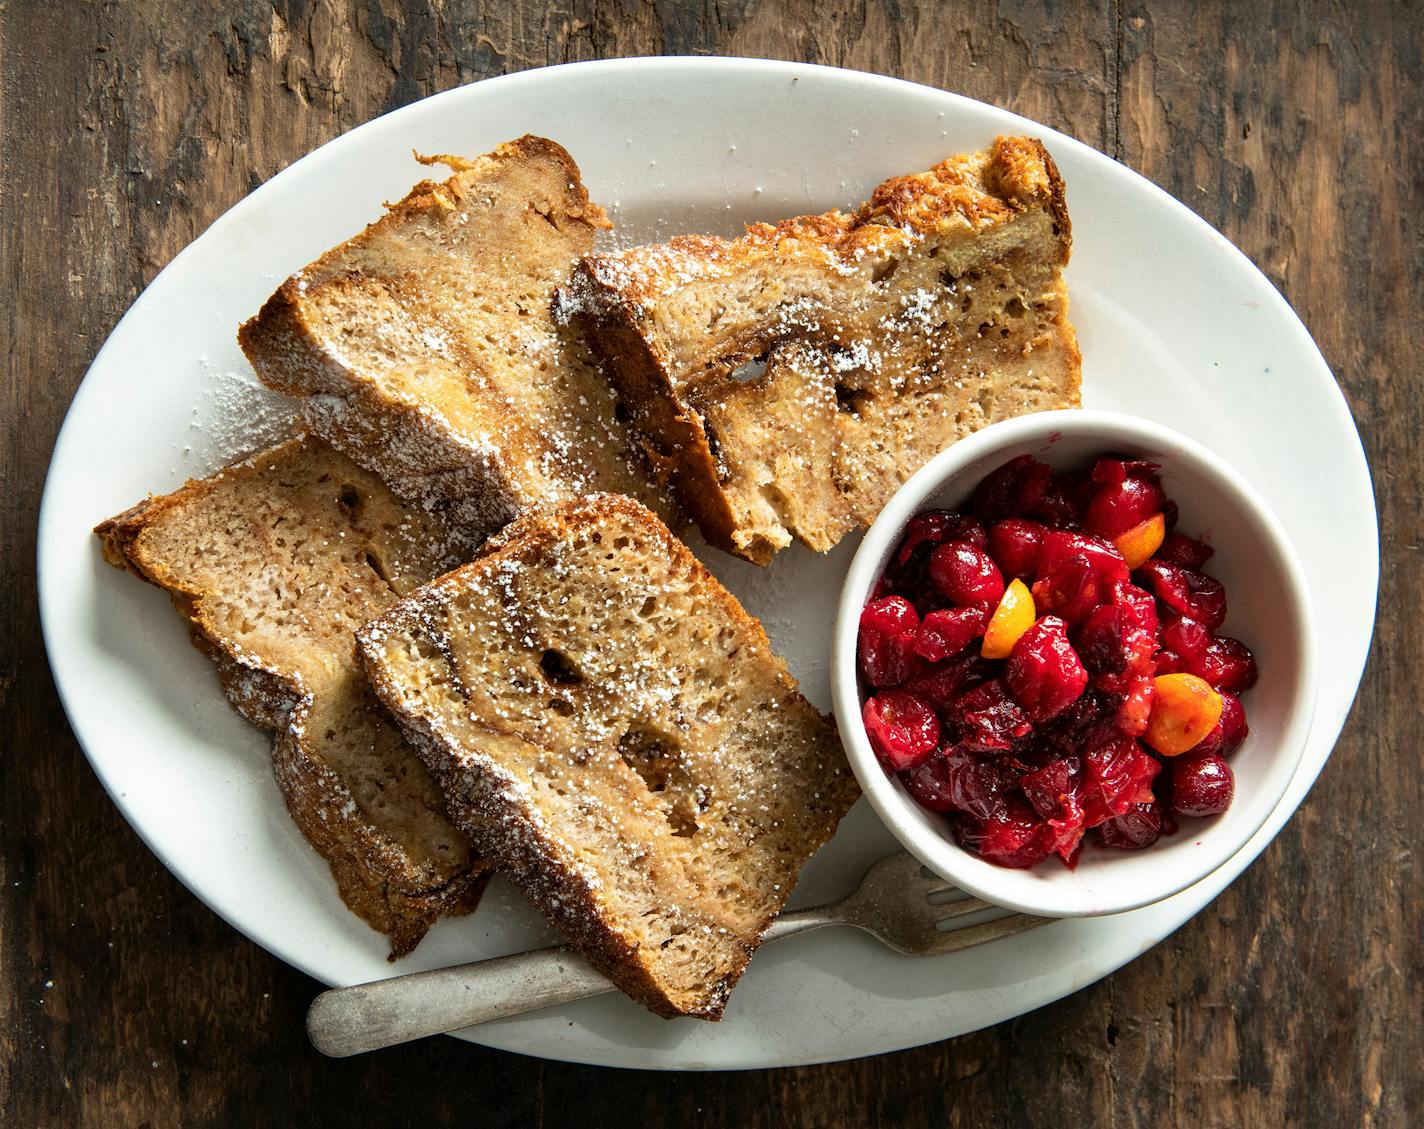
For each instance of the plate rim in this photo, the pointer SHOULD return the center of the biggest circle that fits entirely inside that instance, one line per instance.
(51, 617)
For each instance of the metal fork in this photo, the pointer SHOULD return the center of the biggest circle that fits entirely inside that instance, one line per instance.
(891, 903)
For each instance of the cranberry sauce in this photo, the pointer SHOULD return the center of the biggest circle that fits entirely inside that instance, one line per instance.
(1047, 665)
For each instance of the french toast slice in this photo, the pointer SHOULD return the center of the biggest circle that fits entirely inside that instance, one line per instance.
(615, 733)
(424, 347)
(273, 563)
(886, 334)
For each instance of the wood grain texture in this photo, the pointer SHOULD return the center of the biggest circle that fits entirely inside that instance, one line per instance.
(126, 127)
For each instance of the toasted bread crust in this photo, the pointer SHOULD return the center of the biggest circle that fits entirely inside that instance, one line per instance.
(484, 406)
(675, 441)
(525, 851)
(820, 300)
(376, 876)
(472, 756)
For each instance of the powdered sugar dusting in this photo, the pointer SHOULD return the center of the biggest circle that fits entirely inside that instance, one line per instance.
(233, 414)
(884, 334)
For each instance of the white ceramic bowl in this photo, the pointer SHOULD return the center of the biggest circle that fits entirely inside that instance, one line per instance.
(1267, 609)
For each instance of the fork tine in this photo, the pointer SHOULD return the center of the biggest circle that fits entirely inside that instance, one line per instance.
(962, 908)
(947, 895)
(897, 902)
(938, 885)
(953, 940)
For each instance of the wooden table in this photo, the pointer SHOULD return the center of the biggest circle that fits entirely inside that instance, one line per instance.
(1295, 999)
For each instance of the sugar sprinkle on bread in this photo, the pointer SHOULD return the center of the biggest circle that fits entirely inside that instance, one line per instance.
(274, 563)
(424, 347)
(616, 734)
(787, 382)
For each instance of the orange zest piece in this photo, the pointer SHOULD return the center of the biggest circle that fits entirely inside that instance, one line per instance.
(1139, 543)
(1014, 615)
(1184, 710)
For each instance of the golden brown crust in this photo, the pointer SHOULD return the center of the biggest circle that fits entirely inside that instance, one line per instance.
(484, 793)
(870, 302)
(420, 356)
(373, 875)
(376, 877)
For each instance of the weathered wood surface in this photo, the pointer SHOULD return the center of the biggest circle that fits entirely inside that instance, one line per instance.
(129, 126)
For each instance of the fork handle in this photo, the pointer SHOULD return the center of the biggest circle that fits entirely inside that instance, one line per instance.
(366, 1017)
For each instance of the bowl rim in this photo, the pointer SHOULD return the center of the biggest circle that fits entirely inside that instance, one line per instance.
(1007, 887)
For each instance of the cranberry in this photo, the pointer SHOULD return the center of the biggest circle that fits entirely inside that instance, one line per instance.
(1139, 620)
(1060, 546)
(1099, 640)
(885, 647)
(1014, 543)
(1070, 591)
(1025, 487)
(1065, 734)
(1184, 552)
(1116, 775)
(1075, 574)
(935, 527)
(1067, 829)
(1117, 642)
(1044, 673)
(940, 683)
(948, 631)
(1111, 470)
(1202, 786)
(1140, 826)
(1186, 591)
(929, 783)
(1186, 637)
(1227, 664)
(988, 719)
(890, 615)
(1011, 836)
(1119, 635)
(903, 730)
(965, 574)
(1034, 488)
(1230, 730)
(1050, 792)
(1169, 662)
(908, 574)
(955, 782)
(996, 497)
(1116, 508)
(1136, 706)
(1063, 501)
(1048, 787)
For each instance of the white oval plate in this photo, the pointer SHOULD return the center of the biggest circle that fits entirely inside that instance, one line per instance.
(1174, 322)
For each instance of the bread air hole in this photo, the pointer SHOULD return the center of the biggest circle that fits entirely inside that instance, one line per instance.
(754, 369)
(884, 271)
(377, 566)
(559, 669)
(850, 399)
(348, 496)
(647, 753)
(654, 757)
